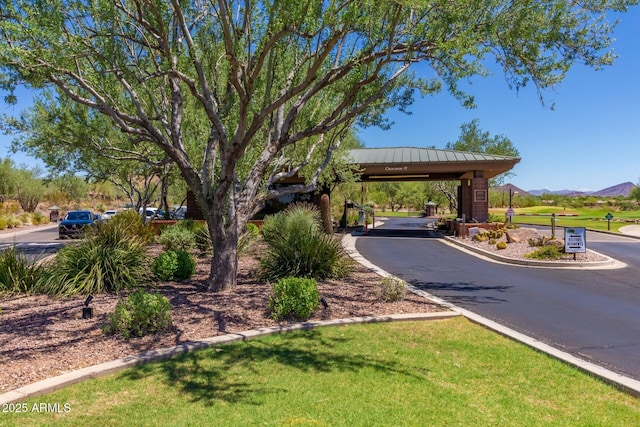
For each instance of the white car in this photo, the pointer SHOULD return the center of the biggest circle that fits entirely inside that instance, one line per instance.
(109, 214)
(149, 214)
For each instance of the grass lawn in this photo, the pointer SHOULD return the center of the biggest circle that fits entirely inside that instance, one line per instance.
(593, 218)
(448, 372)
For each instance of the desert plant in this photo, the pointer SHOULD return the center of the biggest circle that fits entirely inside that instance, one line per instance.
(501, 245)
(297, 247)
(249, 236)
(3, 223)
(132, 224)
(165, 265)
(492, 241)
(392, 289)
(140, 314)
(177, 239)
(294, 298)
(17, 274)
(186, 265)
(549, 252)
(171, 265)
(203, 240)
(110, 259)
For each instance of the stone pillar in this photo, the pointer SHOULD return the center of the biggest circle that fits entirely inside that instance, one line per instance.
(479, 198)
(464, 199)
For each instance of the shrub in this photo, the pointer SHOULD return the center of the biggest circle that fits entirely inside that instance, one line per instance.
(109, 260)
(501, 245)
(3, 223)
(177, 239)
(165, 265)
(492, 241)
(37, 218)
(549, 252)
(17, 274)
(297, 247)
(131, 223)
(203, 240)
(392, 289)
(186, 265)
(294, 298)
(140, 314)
(248, 237)
(171, 265)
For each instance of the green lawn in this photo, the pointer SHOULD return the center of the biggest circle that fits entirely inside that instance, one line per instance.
(593, 218)
(440, 373)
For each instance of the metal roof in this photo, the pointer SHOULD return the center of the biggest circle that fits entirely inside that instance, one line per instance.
(395, 155)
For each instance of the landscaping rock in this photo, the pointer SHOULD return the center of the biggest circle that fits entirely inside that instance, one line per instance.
(518, 235)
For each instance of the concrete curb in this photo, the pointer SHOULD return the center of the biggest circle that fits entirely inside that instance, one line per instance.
(55, 383)
(629, 385)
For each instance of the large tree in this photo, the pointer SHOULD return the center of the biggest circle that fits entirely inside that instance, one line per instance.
(272, 83)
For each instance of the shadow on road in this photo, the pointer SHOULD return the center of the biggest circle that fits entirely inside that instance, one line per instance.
(463, 293)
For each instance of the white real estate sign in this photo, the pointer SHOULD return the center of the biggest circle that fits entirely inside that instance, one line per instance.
(575, 240)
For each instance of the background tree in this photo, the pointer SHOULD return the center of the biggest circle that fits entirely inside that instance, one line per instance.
(475, 140)
(635, 192)
(29, 189)
(274, 85)
(7, 180)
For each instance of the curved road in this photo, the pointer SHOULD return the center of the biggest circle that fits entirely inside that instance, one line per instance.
(592, 314)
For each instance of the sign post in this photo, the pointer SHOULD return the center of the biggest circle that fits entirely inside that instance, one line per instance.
(575, 240)
(609, 217)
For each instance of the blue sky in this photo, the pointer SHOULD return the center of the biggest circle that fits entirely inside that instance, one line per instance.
(590, 141)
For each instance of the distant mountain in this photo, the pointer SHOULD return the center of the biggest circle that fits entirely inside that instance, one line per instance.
(516, 190)
(617, 190)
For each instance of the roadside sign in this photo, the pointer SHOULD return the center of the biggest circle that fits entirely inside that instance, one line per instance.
(575, 240)
(609, 217)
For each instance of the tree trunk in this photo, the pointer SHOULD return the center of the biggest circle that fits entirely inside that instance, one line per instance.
(224, 262)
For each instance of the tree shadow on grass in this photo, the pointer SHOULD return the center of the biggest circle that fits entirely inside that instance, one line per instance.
(220, 374)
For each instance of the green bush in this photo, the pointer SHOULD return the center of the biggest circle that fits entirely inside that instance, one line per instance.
(17, 274)
(140, 314)
(110, 259)
(131, 223)
(177, 239)
(3, 223)
(392, 289)
(294, 298)
(171, 265)
(298, 247)
(165, 265)
(186, 265)
(549, 252)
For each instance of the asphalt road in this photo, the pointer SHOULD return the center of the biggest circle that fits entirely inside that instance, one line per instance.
(592, 314)
(35, 244)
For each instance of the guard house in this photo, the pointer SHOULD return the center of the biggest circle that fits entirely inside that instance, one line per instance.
(473, 170)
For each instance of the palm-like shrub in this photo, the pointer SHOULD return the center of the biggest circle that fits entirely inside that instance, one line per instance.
(298, 247)
(17, 274)
(130, 222)
(111, 259)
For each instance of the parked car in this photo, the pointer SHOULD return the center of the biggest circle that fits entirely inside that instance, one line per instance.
(75, 223)
(108, 214)
(149, 214)
(178, 212)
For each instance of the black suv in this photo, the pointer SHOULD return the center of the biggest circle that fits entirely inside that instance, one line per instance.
(75, 223)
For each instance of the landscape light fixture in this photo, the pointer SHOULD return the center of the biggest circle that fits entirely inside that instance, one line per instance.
(87, 312)
(324, 302)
